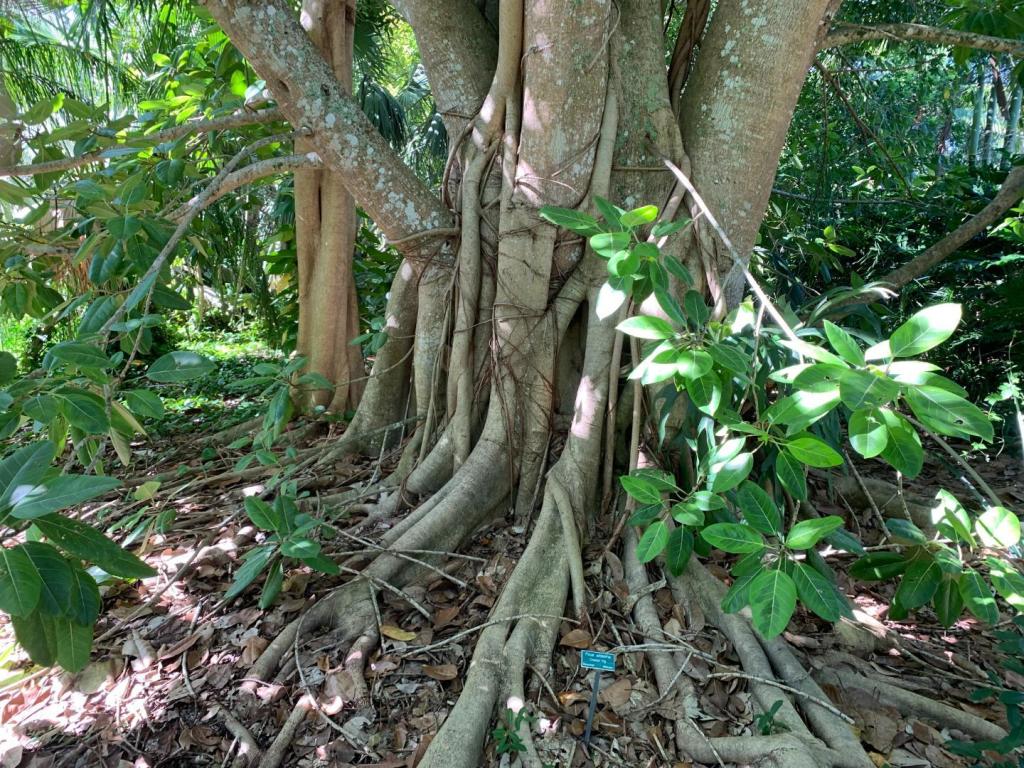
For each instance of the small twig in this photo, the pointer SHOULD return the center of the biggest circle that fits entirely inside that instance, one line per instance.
(789, 689)
(959, 460)
(389, 587)
(402, 556)
(871, 499)
(459, 635)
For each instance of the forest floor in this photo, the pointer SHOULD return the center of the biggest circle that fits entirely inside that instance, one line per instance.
(170, 657)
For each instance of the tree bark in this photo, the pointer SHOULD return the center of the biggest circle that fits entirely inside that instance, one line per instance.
(325, 236)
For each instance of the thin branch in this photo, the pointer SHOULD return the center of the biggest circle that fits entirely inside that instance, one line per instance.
(1008, 196)
(269, 35)
(253, 172)
(197, 204)
(235, 120)
(848, 34)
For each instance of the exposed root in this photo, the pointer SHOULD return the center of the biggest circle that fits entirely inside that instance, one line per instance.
(874, 692)
(539, 583)
(832, 743)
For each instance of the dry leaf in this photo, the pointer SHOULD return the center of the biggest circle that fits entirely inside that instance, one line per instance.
(577, 638)
(441, 671)
(617, 694)
(444, 616)
(396, 633)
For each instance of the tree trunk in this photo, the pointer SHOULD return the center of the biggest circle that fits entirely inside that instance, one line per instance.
(325, 236)
(988, 136)
(575, 104)
(1012, 140)
(977, 119)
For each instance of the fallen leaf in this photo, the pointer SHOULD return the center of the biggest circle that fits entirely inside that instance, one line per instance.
(445, 616)
(441, 671)
(396, 633)
(577, 638)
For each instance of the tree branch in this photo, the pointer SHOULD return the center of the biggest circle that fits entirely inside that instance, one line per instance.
(459, 53)
(1008, 195)
(269, 35)
(247, 175)
(228, 122)
(847, 34)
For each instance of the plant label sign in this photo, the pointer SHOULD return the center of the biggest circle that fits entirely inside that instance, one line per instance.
(603, 662)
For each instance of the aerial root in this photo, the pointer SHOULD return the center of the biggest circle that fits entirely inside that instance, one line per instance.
(537, 588)
(831, 744)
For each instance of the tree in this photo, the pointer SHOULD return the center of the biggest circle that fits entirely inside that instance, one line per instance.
(500, 321)
(569, 102)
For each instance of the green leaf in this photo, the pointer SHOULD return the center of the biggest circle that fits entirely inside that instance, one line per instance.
(819, 377)
(123, 227)
(144, 403)
(20, 583)
(844, 344)
(642, 489)
(791, 475)
(624, 263)
(759, 510)
(262, 514)
(726, 475)
(706, 501)
(772, 602)
(85, 542)
(807, 533)
(665, 228)
(818, 593)
(903, 450)
(678, 550)
(868, 433)
(687, 513)
(863, 389)
(813, 452)
(60, 493)
(73, 642)
(55, 574)
(31, 634)
(86, 411)
(998, 528)
(739, 593)
(255, 561)
(978, 597)
(300, 548)
(638, 216)
(879, 566)
(176, 367)
(607, 244)
(925, 330)
(734, 538)
(84, 604)
(947, 413)
(905, 532)
(1008, 581)
(272, 586)
(80, 355)
(693, 363)
(705, 392)
(23, 468)
(801, 409)
(653, 542)
(566, 218)
(919, 583)
(8, 367)
(948, 602)
(646, 327)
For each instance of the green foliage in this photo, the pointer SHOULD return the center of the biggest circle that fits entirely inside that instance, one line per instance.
(289, 541)
(52, 601)
(506, 733)
(766, 404)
